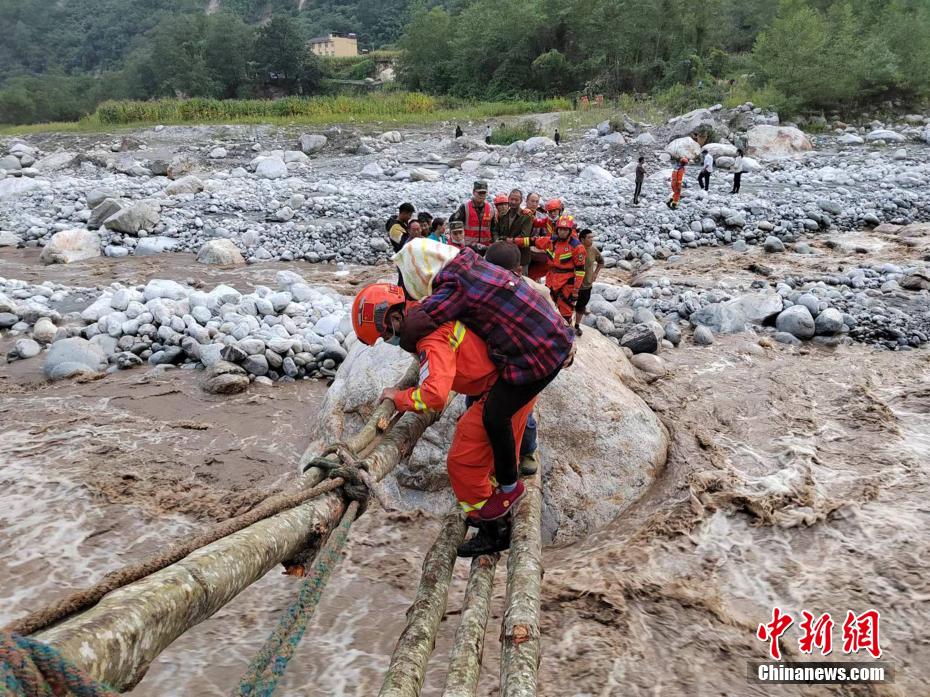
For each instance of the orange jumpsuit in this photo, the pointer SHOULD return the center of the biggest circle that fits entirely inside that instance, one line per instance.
(566, 270)
(539, 265)
(454, 358)
(677, 177)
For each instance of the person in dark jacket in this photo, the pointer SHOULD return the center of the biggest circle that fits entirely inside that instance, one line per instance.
(398, 225)
(640, 177)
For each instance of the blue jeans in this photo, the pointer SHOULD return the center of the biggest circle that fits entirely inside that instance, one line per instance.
(528, 444)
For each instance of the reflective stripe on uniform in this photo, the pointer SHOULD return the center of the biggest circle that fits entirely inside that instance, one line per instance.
(469, 507)
(417, 400)
(458, 335)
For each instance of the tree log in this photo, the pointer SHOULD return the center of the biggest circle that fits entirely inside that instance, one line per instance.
(520, 631)
(116, 641)
(411, 655)
(465, 661)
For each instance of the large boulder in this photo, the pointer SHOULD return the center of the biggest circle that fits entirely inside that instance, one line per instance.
(596, 173)
(103, 210)
(55, 161)
(797, 321)
(221, 253)
(311, 143)
(225, 378)
(71, 245)
(537, 144)
(132, 218)
(885, 135)
(590, 475)
(736, 315)
(689, 123)
(150, 246)
(185, 185)
(776, 141)
(271, 168)
(720, 150)
(16, 186)
(74, 356)
(683, 147)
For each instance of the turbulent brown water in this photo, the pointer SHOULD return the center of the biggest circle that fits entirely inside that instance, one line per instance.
(796, 478)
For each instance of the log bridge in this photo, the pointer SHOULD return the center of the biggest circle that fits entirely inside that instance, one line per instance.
(113, 631)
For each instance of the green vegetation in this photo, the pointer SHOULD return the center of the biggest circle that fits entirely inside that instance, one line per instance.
(513, 133)
(393, 108)
(59, 60)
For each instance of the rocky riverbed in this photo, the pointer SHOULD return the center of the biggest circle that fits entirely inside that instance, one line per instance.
(174, 302)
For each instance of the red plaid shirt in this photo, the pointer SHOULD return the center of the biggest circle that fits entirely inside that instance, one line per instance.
(526, 338)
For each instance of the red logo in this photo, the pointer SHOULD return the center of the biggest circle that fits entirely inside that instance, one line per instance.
(860, 632)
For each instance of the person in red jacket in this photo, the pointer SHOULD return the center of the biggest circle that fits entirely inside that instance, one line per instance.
(566, 265)
(539, 261)
(678, 176)
(452, 358)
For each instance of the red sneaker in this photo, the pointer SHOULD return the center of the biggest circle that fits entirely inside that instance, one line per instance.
(500, 503)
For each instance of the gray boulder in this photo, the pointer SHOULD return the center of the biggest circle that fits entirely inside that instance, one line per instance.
(150, 246)
(736, 315)
(776, 141)
(773, 245)
(102, 210)
(225, 378)
(185, 185)
(797, 321)
(74, 356)
(271, 168)
(686, 124)
(311, 143)
(829, 322)
(640, 338)
(221, 253)
(8, 239)
(71, 245)
(27, 348)
(130, 219)
(703, 336)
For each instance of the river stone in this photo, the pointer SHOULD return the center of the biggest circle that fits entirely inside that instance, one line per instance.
(27, 348)
(736, 315)
(776, 141)
(311, 143)
(8, 239)
(640, 338)
(225, 378)
(69, 246)
(44, 330)
(222, 252)
(649, 363)
(73, 356)
(797, 321)
(256, 365)
(102, 210)
(271, 168)
(773, 245)
(150, 246)
(141, 215)
(184, 185)
(829, 322)
(703, 336)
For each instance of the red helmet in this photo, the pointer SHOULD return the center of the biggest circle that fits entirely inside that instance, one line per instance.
(553, 204)
(683, 161)
(566, 221)
(501, 198)
(370, 309)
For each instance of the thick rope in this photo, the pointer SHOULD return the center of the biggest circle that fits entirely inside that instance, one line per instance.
(269, 664)
(79, 600)
(29, 668)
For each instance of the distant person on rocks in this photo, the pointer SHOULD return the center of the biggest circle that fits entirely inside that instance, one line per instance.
(640, 178)
(737, 171)
(458, 131)
(678, 178)
(593, 264)
(558, 137)
(478, 215)
(487, 134)
(707, 166)
(397, 225)
(437, 230)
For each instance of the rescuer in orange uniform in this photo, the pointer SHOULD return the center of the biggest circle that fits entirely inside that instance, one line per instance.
(678, 177)
(566, 265)
(539, 262)
(452, 358)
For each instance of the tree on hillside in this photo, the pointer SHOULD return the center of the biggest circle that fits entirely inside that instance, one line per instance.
(227, 47)
(426, 61)
(279, 54)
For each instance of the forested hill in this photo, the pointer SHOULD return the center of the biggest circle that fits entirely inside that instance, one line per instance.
(94, 35)
(59, 59)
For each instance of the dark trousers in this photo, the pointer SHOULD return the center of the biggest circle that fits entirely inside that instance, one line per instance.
(704, 180)
(736, 182)
(638, 191)
(504, 400)
(528, 444)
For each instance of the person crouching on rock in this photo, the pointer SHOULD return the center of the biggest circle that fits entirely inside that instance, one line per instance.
(567, 256)
(678, 176)
(526, 339)
(452, 358)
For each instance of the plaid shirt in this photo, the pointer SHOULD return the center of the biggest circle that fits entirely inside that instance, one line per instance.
(526, 338)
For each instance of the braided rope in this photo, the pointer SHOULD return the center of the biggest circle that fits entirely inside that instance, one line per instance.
(268, 666)
(29, 668)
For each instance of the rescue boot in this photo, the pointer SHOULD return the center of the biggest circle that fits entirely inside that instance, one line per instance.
(493, 536)
(529, 464)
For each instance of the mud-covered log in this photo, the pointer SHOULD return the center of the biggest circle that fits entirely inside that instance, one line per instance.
(116, 640)
(411, 655)
(520, 631)
(465, 660)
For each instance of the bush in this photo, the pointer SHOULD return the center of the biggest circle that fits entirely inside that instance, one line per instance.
(513, 133)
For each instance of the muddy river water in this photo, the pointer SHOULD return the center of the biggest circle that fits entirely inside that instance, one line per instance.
(796, 478)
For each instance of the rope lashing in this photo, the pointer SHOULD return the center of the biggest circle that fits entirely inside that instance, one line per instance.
(269, 664)
(29, 668)
(359, 484)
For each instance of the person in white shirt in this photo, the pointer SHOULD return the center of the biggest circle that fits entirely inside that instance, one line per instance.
(707, 166)
(487, 134)
(737, 171)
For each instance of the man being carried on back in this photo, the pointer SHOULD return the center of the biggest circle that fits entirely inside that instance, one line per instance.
(452, 358)
(526, 339)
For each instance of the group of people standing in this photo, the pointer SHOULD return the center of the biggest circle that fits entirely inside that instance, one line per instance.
(547, 242)
(707, 168)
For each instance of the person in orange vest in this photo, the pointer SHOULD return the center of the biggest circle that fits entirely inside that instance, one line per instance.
(478, 215)
(678, 176)
(452, 358)
(566, 272)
